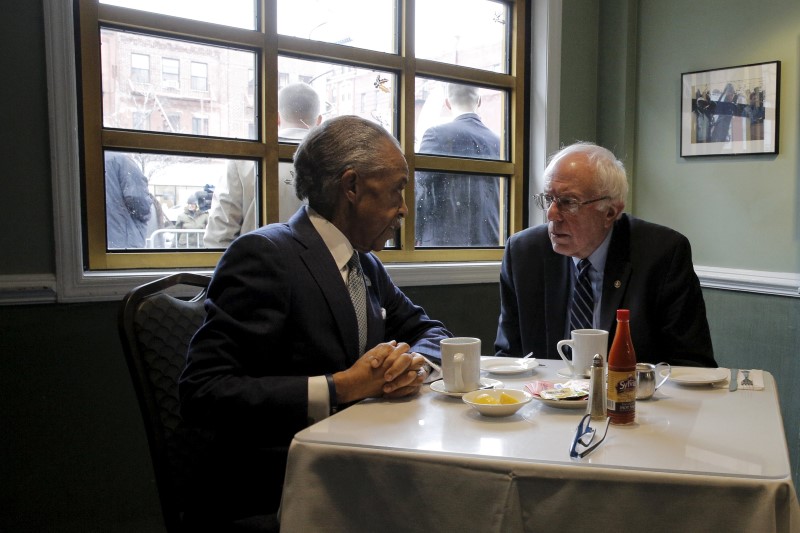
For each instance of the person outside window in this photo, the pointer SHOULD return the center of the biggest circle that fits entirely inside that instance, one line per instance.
(191, 218)
(129, 205)
(458, 209)
(233, 209)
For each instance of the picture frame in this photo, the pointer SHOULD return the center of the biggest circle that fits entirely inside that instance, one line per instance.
(731, 111)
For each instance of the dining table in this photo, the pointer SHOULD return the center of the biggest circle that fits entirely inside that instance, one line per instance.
(699, 457)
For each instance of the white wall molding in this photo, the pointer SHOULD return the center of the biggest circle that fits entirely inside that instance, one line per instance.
(41, 288)
(756, 281)
(27, 289)
(425, 274)
(64, 152)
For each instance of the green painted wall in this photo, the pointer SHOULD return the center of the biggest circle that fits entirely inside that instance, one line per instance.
(739, 212)
(579, 53)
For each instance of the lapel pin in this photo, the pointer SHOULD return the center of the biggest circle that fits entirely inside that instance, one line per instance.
(617, 284)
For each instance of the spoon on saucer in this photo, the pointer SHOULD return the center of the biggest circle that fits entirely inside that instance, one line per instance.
(531, 354)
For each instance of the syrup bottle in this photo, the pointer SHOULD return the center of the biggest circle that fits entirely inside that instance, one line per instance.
(621, 391)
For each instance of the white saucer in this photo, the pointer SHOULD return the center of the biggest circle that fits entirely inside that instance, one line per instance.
(487, 383)
(687, 375)
(565, 373)
(508, 365)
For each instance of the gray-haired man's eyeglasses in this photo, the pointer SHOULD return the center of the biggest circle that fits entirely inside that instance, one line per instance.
(565, 205)
(584, 441)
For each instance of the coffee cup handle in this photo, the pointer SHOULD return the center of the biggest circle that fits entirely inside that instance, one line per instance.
(660, 366)
(566, 342)
(458, 360)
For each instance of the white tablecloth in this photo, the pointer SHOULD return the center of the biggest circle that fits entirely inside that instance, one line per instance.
(698, 459)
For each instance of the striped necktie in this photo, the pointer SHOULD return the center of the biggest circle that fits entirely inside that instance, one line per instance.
(582, 314)
(358, 294)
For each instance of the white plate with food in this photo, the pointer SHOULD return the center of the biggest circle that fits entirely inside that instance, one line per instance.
(693, 376)
(581, 403)
(508, 365)
(486, 383)
(572, 394)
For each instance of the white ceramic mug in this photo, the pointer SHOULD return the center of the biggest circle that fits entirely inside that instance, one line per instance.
(461, 364)
(585, 343)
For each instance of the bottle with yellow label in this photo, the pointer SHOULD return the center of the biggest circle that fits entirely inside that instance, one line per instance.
(621, 389)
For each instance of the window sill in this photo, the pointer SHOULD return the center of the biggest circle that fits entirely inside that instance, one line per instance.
(43, 288)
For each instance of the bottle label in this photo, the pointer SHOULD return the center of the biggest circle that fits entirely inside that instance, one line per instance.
(621, 391)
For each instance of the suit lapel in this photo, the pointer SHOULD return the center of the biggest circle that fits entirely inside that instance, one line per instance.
(320, 264)
(557, 269)
(375, 325)
(616, 275)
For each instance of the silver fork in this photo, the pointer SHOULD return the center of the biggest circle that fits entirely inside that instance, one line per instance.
(746, 381)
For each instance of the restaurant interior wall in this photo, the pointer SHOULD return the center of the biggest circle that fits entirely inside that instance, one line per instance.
(73, 449)
(739, 212)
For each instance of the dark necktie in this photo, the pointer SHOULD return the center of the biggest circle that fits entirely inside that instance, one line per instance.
(582, 313)
(358, 294)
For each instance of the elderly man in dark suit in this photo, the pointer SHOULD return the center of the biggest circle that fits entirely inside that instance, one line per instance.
(285, 342)
(459, 209)
(632, 264)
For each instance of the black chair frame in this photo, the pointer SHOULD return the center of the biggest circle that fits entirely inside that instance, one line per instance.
(156, 324)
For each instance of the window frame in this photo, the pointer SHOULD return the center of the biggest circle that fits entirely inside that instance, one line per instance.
(420, 267)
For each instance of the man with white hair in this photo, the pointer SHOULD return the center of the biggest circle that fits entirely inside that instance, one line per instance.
(630, 264)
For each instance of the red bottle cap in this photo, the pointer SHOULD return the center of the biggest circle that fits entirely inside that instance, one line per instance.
(623, 314)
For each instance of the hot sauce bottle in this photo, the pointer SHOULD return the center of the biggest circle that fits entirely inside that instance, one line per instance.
(621, 390)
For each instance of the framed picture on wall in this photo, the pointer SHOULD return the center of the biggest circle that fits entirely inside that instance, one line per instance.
(730, 111)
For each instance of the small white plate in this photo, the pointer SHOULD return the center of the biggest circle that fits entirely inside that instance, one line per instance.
(687, 375)
(508, 365)
(486, 383)
(564, 404)
(565, 373)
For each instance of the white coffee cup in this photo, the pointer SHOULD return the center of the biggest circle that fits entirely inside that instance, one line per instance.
(585, 343)
(461, 364)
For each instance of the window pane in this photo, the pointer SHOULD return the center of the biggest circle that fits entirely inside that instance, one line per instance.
(345, 89)
(158, 201)
(199, 76)
(472, 33)
(460, 210)
(213, 99)
(170, 74)
(140, 68)
(460, 120)
(235, 206)
(369, 24)
(237, 13)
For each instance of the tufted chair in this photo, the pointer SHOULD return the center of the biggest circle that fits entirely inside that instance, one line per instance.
(156, 322)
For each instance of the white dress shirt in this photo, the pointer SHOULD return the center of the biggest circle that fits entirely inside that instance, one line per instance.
(319, 406)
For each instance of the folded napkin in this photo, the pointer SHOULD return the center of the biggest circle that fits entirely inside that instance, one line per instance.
(756, 376)
(536, 387)
(436, 371)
